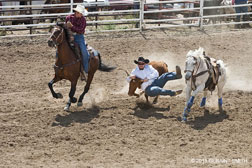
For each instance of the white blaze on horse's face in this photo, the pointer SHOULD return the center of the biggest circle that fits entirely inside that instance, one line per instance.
(191, 61)
(56, 37)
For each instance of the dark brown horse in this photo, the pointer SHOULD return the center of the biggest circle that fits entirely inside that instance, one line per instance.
(68, 65)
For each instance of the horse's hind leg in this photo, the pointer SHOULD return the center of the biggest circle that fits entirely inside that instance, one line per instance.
(86, 89)
(220, 89)
(72, 99)
(50, 85)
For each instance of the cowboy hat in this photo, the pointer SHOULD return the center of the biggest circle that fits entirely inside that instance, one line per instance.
(81, 9)
(141, 59)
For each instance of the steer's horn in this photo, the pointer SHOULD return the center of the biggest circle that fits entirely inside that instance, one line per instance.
(124, 71)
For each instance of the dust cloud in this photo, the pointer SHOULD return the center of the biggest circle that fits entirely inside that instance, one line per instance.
(238, 80)
(97, 95)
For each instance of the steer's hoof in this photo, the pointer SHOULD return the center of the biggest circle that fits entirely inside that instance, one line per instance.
(66, 108)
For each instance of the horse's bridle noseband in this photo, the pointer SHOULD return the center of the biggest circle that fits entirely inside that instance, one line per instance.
(197, 74)
(192, 71)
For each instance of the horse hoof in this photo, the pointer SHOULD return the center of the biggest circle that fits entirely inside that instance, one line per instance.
(184, 120)
(79, 104)
(73, 100)
(59, 96)
(185, 115)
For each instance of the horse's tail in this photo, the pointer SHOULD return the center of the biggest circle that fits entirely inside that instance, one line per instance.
(103, 67)
(222, 66)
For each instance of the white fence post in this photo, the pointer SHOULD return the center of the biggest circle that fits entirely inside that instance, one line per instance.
(141, 15)
(201, 14)
(71, 6)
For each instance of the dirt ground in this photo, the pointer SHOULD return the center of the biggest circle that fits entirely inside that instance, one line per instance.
(113, 129)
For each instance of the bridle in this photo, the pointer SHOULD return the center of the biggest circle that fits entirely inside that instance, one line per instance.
(57, 38)
(195, 72)
(192, 71)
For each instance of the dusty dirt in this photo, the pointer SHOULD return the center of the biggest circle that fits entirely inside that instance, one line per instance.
(112, 129)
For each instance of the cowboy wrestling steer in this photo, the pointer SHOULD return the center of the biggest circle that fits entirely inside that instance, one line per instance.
(160, 66)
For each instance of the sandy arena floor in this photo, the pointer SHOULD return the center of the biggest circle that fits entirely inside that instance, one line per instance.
(113, 129)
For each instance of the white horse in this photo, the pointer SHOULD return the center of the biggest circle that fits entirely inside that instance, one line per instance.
(199, 74)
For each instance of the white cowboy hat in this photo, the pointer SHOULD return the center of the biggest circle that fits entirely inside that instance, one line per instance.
(81, 9)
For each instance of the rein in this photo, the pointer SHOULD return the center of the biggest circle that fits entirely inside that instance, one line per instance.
(61, 67)
(65, 65)
(198, 74)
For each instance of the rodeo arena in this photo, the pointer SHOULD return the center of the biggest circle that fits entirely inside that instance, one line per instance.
(151, 83)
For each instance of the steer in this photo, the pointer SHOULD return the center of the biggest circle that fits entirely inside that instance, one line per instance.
(160, 66)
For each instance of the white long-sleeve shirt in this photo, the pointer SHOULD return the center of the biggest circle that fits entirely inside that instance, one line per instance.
(148, 72)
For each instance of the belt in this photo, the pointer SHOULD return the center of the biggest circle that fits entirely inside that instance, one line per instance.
(76, 34)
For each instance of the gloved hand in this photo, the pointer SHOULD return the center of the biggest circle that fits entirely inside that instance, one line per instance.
(69, 25)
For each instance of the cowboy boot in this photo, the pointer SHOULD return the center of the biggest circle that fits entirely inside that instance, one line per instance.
(77, 51)
(177, 92)
(178, 72)
(82, 74)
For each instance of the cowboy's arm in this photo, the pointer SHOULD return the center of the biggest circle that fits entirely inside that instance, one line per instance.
(153, 73)
(67, 18)
(132, 75)
(79, 28)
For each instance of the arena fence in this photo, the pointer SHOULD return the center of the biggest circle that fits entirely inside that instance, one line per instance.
(35, 18)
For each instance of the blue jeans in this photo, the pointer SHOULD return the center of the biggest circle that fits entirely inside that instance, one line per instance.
(242, 9)
(156, 88)
(80, 40)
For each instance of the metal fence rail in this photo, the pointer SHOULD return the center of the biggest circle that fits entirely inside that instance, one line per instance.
(163, 14)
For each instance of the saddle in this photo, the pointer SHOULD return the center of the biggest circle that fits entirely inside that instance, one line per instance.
(214, 73)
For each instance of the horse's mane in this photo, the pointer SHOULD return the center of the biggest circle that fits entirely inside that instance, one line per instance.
(198, 53)
(63, 25)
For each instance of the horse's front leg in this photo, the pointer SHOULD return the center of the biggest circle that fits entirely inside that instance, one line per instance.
(50, 85)
(188, 95)
(72, 99)
(203, 101)
(191, 101)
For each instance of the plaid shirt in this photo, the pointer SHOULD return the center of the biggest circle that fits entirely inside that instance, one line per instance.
(79, 24)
